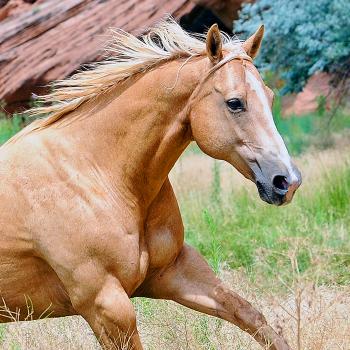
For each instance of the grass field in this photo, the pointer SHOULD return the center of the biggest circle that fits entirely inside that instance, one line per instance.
(233, 228)
(291, 262)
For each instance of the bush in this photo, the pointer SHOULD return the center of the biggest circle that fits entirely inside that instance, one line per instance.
(302, 37)
(9, 127)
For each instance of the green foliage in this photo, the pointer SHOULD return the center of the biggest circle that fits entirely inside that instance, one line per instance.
(321, 105)
(9, 127)
(216, 185)
(302, 37)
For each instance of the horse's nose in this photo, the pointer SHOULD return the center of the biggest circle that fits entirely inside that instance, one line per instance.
(277, 186)
(284, 186)
(281, 184)
(294, 184)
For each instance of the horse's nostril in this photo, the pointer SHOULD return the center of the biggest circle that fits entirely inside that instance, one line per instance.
(280, 182)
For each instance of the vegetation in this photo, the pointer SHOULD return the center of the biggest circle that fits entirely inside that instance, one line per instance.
(9, 127)
(235, 230)
(302, 37)
(310, 130)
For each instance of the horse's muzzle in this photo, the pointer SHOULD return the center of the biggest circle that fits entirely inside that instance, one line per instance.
(279, 188)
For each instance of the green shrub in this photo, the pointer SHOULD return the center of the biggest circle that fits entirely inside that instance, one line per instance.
(301, 38)
(9, 127)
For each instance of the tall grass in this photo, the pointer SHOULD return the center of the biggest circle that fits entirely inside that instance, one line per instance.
(236, 229)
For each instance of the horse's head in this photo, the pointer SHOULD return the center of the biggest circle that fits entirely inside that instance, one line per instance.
(231, 119)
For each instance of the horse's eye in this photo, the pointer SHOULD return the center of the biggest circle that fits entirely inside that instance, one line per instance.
(235, 105)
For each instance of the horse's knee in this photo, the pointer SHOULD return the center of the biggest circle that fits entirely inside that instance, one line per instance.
(114, 307)
(107, 304)
(110, 314)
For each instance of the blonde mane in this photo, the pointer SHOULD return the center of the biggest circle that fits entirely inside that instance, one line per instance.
(127, 55)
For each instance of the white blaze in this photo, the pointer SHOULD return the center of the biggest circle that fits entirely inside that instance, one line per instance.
(257, 86)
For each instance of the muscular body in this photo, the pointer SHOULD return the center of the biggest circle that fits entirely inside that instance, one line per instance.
(95, 266)
(88, 217)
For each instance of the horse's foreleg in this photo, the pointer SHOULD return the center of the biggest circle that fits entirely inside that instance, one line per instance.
(191, 282)
(112, 317)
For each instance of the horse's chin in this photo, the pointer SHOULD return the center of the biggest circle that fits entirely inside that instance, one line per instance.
(273, 200)
(275, 197)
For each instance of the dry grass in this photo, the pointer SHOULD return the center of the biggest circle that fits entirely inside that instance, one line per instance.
(310, 316)
(317, 317)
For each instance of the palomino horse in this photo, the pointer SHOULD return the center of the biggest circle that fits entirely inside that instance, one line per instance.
(88, 217)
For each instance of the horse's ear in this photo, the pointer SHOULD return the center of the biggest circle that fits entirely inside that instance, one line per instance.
(252, 45)
(214, 44)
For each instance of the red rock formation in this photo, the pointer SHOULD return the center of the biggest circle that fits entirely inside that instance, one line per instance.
(307, 100)
(44, 40)
(50, 39)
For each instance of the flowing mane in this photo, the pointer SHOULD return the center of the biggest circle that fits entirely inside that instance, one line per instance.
(127, 55)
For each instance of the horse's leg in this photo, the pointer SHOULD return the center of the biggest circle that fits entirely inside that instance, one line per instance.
(191, 282)
(111, 316)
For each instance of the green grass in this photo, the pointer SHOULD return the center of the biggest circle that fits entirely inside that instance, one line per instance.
(301, 132)
(243, 232)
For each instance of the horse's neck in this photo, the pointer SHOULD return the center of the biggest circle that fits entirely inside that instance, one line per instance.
(138, 136)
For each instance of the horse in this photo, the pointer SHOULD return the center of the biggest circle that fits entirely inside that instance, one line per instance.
(88, 216)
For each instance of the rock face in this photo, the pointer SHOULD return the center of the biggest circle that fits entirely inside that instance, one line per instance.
(50, 39)
(45, 40)
(307, 100)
